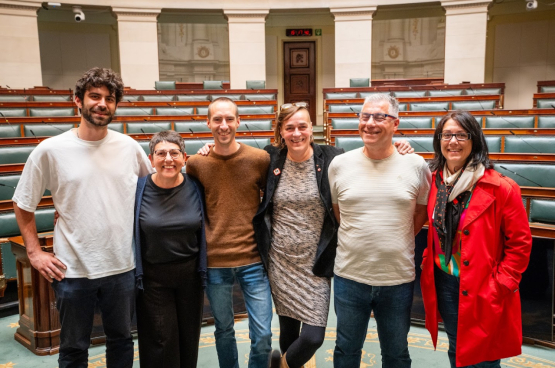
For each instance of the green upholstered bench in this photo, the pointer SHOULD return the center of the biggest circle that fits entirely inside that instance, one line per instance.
(409, 94)
(509, 122)
(340, 95)
(148, 127)
(183, 127)
(368, 94)
(134, 111)
(202, 110)
(144, 146)
(260, 97)
(430, 106)
(445, 92)
(174, 111)
(10, 130)
(546, 121)
(483, 91)
(10, 182)
(253, 125)
(359, 82)
(118, 127)
(493, 143)
(415, 123)
(530, 144)
(234, 97)
(13, 98)
(349, 123)
(255, 110)
(164, 85)
(473, 105)
(547, 89)
(256, 84)
(131, 98)
(193, 97)
(546, 104)
(348, 143)
(51, 98)
(255, 142)
(213, 85)
(542, 210)
(47, 111)
(13, 113)
(403, 107)
(15, 154)
(345, 108)
(541, 174)
(420, 144)
(46, 130)
(158, 98)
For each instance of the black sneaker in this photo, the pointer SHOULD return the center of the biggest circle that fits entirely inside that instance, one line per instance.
(275, 359)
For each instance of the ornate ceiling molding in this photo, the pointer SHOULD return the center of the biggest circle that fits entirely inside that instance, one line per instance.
(353, 14)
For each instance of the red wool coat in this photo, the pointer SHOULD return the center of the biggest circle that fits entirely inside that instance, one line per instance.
(495, 250)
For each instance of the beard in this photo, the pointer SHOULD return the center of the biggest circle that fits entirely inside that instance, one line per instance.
(99, 122)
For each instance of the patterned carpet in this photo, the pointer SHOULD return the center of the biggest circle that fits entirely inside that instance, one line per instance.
(13, 355)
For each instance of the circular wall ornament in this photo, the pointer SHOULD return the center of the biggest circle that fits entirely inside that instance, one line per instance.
(203, 52)
(393, 52)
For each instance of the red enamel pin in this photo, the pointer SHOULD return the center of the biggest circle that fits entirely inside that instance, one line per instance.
(277, 172)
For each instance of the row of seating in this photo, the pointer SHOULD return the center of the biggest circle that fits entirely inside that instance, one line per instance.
(131, 111)
(251, 84)
(421, 106)
(487, 122)
(36, 98)
(48, 130)
(544, 100)
(411, 93)
(198, 97)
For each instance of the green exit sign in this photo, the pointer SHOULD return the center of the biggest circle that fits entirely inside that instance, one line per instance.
(318, 32)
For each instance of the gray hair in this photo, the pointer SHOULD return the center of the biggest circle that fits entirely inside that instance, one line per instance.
(169, 136)
(379, 97)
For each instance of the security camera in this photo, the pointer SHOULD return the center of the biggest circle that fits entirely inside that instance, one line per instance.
(78, 14)
(531, 4)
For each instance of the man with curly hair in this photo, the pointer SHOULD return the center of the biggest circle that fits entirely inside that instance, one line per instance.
(92, 173)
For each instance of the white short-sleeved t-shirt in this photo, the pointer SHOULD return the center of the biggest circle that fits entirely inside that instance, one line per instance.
(93, 188)
(377, 199)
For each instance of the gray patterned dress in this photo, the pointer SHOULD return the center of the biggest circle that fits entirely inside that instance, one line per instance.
(298, 216)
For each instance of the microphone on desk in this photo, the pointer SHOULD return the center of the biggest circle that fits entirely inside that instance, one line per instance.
(517, 174)
(177, 108)
(143, 110)
(418, 144)
(7, 186)
(194, 136)
(11, 126)
(534, 148)
(55, 127)
(252, 136)
(33, 133)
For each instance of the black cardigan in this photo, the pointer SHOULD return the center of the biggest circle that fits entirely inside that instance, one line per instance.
(325, 254)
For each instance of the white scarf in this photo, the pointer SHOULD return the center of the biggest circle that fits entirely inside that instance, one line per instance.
(466, 182)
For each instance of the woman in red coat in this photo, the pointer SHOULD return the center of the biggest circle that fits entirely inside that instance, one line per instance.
(479, 244)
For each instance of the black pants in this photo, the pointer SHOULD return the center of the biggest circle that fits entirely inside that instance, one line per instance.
(169, 315)
(300, 345)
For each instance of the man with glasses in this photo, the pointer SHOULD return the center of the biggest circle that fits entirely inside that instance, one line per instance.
(233, 175)
(92, 174)
(379, 197)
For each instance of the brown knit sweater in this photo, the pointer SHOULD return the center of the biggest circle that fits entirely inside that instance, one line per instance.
(232, 187)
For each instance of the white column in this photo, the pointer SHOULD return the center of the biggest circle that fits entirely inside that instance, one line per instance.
(465, 40)
(20, 53)
(138, 46)
(353, 44)
(247, 46)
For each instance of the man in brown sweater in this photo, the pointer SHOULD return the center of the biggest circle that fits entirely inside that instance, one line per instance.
(233, 175)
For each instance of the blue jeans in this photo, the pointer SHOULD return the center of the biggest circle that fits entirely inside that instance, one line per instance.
(447, 290)
(391, 305)
(258, 299)
(76, 299)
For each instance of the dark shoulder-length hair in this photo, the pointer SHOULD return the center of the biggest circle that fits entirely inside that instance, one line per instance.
(479, 153)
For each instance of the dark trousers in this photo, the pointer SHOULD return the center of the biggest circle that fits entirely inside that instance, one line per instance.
(169, 315)
(76, 299)
(300, 344)
(447, 289)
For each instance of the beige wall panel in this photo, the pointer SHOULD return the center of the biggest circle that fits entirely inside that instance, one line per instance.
(271, 61)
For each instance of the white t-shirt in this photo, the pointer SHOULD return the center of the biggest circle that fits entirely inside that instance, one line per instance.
(377, 199)
(93, 188)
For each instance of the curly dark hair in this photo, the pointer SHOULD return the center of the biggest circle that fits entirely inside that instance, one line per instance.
(479, 153)
(99, 77)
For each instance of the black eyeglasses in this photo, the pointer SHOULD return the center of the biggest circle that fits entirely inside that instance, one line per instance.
(162, 154)
(458, 136)
(379, 117)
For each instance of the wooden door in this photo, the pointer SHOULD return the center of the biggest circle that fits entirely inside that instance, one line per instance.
(300, 74)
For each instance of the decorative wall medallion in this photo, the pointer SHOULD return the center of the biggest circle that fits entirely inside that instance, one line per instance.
(393, 52)
(203, 52)
(299, 58)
